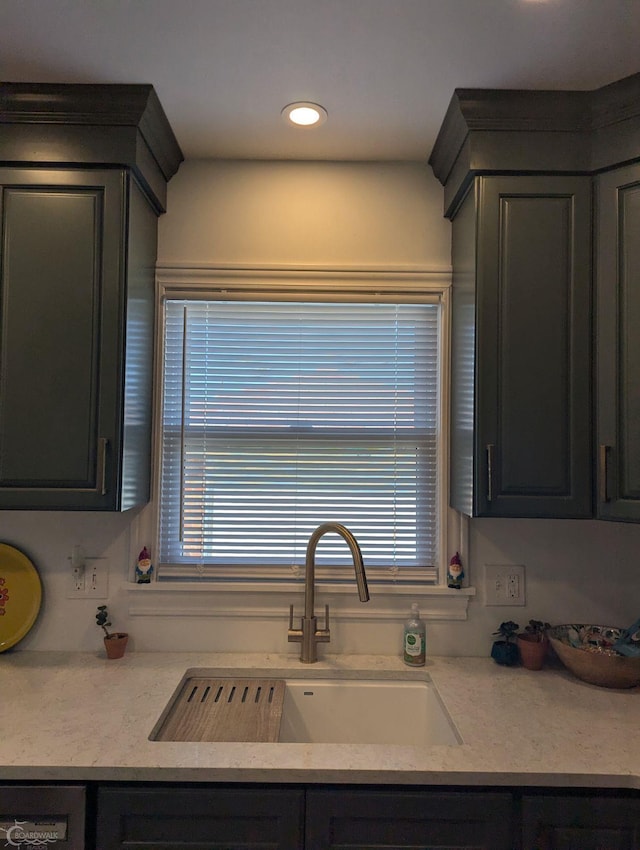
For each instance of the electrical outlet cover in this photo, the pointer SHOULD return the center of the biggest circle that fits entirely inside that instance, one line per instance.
(504, 584)
(93, 582)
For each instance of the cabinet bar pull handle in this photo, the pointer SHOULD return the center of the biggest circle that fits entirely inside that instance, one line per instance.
(490, 453)
(603, 473)
(101, 466)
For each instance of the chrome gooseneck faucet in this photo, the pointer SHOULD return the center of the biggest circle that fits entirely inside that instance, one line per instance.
(309, 635)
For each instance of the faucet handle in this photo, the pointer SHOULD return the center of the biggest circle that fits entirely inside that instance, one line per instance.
(323, 635)
(293, 635)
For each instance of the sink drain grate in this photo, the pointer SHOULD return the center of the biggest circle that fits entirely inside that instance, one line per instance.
(208, 709)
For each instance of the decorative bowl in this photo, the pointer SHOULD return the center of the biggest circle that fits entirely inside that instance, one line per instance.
(587, 651)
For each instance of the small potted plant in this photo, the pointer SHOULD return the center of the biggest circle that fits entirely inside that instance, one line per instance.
(505, 651)
(533, 644)
(115, 643)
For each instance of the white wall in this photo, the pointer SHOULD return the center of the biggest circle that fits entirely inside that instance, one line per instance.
(298, 214)
(344, 215)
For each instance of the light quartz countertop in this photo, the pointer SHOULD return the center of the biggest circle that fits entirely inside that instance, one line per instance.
(80, 717)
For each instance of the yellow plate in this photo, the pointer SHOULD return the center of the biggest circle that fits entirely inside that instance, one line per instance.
(20, 595)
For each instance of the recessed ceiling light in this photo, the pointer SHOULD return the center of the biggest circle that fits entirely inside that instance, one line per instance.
(304, 114)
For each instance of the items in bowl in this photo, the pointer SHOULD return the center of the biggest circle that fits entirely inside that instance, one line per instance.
(629, 641)
(599, 639)
(604, 639)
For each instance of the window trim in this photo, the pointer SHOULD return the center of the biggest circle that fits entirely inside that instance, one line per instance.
(311, 283)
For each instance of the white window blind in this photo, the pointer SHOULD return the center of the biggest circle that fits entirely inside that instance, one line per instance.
(278, 416)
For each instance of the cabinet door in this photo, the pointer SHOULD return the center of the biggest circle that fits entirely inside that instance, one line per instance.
(61, 304)
(532, 442)
(581, 823)
(197, 818)
(618, 344)
(368, 819)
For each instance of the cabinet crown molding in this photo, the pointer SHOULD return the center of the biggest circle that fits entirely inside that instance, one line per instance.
(537, 131)
(90, 124)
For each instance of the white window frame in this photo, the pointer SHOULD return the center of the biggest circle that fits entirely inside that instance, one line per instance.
(311, 283)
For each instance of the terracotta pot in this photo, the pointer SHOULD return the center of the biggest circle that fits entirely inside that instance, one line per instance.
(116, 644)
(532, 650)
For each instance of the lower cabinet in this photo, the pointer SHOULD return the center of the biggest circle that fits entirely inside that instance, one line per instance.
(286, 818)
(581, 822)
(364, 820)
(246, 817)
(186, 818)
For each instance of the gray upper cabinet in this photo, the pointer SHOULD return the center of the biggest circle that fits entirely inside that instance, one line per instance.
(77, 259)
(618, 344)
(521, 439)
(520, 170)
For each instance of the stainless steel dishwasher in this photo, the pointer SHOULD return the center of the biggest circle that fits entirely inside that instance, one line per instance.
(42, 816)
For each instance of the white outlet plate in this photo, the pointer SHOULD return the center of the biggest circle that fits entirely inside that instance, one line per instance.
(504, 584)
(92, 582)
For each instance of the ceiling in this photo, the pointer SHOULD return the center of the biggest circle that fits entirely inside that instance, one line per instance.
(383, 69)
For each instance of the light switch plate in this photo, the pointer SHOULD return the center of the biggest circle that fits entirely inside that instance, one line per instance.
(504, 584)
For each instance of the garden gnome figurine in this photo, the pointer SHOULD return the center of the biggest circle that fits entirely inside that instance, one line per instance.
(143, 567)
(455, 573)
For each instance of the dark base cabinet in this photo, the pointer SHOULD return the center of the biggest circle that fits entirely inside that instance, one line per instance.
(366, 820)
(350, 817)
(581, 823)
(243, 818)
(230, 818)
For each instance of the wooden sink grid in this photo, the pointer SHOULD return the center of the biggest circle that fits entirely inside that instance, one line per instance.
(217, 709)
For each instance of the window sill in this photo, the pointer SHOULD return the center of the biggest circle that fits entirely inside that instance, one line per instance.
(269, 601)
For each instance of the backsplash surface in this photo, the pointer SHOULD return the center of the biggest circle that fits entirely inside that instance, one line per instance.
(584, 571)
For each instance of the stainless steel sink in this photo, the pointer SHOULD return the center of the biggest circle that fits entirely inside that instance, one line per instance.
(343, 709)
